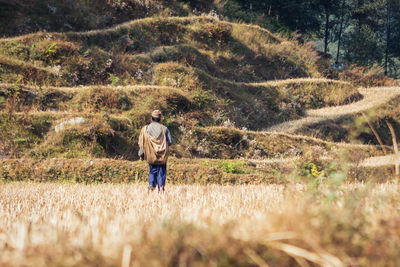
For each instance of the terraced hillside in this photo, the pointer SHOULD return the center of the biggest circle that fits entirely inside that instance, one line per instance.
(137, 52)
(72, 104)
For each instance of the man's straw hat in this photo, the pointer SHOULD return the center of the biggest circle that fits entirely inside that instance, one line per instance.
(156, 114)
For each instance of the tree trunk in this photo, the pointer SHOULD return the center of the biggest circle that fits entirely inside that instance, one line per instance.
(387, 36)
(326, 30)
(340, 30)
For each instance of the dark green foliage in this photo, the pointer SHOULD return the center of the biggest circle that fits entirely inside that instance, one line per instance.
(235, 11)
(368, 31)
(297, 15)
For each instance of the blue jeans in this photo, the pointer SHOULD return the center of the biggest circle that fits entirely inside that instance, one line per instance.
(157, 175)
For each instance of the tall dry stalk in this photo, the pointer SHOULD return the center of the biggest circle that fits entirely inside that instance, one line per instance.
(395, 147)
(375, 133)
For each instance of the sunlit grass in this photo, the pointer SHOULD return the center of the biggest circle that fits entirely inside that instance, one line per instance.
(335, 225)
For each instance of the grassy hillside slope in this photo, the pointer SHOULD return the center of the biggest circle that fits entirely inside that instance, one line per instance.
(206, 59)
(26, 16)
(145, 51)
(209, 77)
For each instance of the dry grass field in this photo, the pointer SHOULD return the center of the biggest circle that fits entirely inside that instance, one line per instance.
(333, 224)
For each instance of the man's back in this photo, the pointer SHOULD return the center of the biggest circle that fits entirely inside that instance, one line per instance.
(154, 129)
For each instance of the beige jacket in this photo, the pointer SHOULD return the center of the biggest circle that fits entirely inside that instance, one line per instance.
(155, 150)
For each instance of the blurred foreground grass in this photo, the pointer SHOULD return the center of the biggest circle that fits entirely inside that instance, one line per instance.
(266, 225)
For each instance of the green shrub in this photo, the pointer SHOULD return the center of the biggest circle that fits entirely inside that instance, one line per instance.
(236, 167)
(50, 53)
(114, 79)
(311, 169)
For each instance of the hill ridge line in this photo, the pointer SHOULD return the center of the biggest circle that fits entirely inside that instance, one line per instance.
(303, 137)
(131, 22)
(85, 87)
(262, 83)
(12, 61)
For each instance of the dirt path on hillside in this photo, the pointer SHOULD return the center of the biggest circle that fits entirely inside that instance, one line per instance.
(372, 97)
(298, 80)
(387, 160)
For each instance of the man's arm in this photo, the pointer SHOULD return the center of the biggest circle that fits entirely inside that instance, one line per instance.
(140, 143)
(140, 153)
(169, 136)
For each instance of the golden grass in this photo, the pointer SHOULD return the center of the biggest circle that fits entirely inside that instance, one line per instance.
(337, 225)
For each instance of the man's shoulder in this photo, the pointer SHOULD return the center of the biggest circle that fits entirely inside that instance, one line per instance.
(143, 129)
(157, 125)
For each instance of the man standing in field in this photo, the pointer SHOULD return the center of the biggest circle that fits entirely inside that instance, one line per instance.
(154, 142)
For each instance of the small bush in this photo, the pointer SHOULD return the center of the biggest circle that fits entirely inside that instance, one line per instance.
(367, 77)
(212, 34)
(100, 98)
(236, 167)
